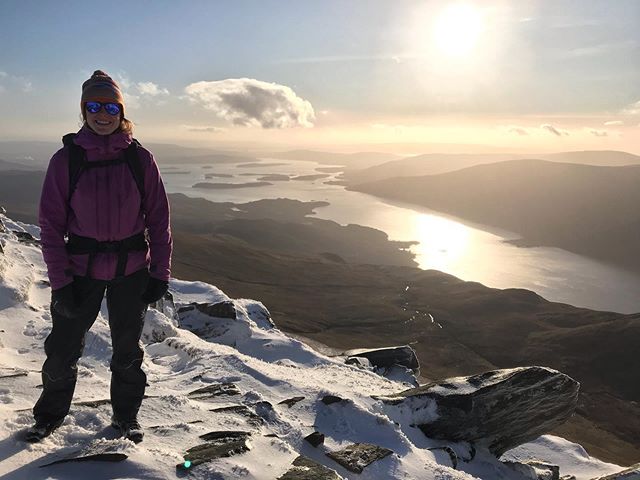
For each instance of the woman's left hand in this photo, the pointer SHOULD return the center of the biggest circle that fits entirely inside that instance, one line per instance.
(156, 289)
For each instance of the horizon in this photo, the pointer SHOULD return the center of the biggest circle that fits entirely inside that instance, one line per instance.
(521, 76)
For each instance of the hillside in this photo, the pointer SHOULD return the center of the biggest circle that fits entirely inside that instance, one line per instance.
(575, 207)
(250, 364)
(437, 163)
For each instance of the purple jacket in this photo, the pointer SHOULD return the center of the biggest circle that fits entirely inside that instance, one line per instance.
(105, 205)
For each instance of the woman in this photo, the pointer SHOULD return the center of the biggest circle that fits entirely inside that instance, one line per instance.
(103, 191)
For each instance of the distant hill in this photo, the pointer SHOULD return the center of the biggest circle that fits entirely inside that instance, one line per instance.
(436, 163)
(427, 164)
(6, 166)
(35, 154)
(605, 158)
(590, 210)
(351, 160)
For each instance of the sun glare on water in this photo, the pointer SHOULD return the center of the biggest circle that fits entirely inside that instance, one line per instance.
(457, 29)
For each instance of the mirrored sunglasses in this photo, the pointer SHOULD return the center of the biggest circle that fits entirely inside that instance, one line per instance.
(110, 108)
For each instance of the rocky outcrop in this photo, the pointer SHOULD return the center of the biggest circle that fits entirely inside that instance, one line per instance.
(358, 456)
(631, 473)
(315, 438)
(388, 357)
(220, 446)
(306, 469)
(499, 410)
(218, 310)
(26, 238)
(215, 390)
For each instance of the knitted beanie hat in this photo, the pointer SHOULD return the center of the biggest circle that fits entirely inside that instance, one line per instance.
(101, 88)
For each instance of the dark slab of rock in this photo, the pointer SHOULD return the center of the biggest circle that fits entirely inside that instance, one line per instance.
(358, 456)
(387, 357)
(26, 238)
(12, 373)
(242, 410)
(290, 402)
(99, 403)
(631, 473)
(219, 310)
(306, 469)
(100, 450)
(315, 438)
(214, 390)
(499, 410)
(225, 434)
(329, 399)
(175, 425)
(94, 403)
(224, 447)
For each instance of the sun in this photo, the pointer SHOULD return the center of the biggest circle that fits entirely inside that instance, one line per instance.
(457, 29)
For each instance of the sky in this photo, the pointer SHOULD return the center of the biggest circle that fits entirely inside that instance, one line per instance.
(525, 75)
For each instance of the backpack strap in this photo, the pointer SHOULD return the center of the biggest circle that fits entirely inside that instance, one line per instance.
(132, 158)
(77, 161)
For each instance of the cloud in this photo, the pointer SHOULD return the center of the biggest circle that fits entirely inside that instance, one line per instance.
(633, 109)
(197, 129)
(137, 93)
(614, 123)
(599, 133)
(518, 130)
(554, 130)
(151, 89)
(249, 102)
(9, 82)
(598, 49)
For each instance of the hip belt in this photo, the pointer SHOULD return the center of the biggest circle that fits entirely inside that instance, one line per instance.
(79, 245)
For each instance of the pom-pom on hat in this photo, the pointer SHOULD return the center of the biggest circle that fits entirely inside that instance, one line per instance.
(101, 88)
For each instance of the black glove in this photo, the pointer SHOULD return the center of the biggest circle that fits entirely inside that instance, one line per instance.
(155, 290)
(63, 301)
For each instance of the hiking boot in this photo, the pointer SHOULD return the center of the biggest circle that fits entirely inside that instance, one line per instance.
(130, 429)
(41, 430)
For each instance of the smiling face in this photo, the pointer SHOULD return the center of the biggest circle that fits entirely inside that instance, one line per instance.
(102, 123)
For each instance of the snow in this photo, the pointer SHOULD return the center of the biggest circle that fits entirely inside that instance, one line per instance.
(265, 364)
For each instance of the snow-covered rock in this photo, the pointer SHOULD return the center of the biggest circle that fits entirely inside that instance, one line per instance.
(496, 410)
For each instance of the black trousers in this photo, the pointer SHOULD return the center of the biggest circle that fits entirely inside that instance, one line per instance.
(65, 344)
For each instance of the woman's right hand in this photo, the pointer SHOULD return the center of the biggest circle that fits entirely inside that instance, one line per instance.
(63, 301)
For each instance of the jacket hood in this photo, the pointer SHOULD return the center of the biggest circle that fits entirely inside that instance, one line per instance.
(105, 144)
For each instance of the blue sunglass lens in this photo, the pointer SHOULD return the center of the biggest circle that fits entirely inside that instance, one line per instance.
(93, 107)
(112, 108)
